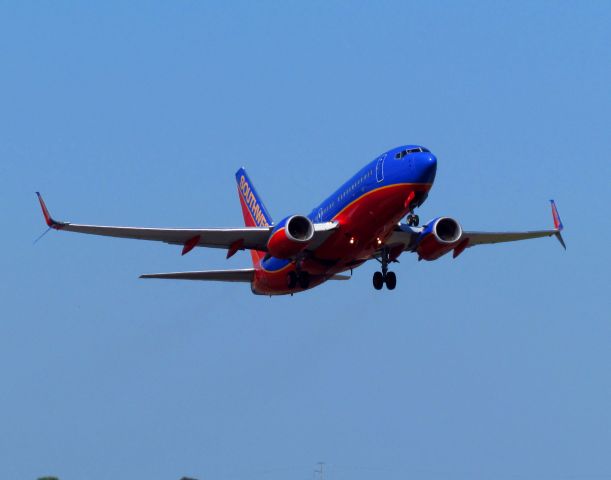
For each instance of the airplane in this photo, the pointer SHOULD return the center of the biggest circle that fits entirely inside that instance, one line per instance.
(360, 221)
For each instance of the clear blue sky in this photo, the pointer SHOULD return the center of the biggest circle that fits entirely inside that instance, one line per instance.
(494, 365)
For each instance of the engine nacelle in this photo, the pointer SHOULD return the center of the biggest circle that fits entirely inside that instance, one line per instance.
(290, 236)
(439, 237)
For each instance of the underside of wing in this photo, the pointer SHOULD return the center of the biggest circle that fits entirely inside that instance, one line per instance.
(249, 237)
(433, 241)
(404, 237)
(232, 239)
(480, 238)
(243, 275)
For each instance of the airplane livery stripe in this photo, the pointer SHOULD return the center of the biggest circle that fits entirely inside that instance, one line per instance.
(395, 185)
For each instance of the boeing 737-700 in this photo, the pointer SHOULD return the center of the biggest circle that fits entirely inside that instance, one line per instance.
(358, 222)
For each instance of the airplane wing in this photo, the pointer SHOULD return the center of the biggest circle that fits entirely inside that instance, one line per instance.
(406, 237)
(232, 239)
(403, 238)
(481, 238)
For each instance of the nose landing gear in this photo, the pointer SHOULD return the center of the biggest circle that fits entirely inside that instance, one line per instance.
(413, 220)
(384, 277)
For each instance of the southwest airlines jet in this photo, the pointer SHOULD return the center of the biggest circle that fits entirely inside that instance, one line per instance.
(360, 221)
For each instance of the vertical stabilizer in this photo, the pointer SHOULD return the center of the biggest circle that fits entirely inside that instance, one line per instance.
(255, 213)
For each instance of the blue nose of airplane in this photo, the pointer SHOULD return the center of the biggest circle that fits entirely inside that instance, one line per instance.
(427, 167)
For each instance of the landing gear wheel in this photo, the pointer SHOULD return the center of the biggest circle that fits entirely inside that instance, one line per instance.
(413, 220)
(391, 280)
(291, 280)
(378, 280)
(304, 280)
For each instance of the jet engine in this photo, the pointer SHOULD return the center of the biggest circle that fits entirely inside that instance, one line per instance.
(438, 237)
(290, 236)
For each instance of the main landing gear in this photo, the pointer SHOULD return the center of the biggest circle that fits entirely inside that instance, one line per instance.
(384, 277)
(295, 278)
(413, 220)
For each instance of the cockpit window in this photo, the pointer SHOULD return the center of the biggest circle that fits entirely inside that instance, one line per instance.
(403, 153)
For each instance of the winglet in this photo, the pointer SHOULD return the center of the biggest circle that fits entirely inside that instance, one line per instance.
(557, 224)
(48, 219)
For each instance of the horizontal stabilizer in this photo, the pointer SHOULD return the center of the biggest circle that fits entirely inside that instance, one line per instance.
(243, 275)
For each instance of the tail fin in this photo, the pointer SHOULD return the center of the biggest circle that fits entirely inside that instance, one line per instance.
(255, 213)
